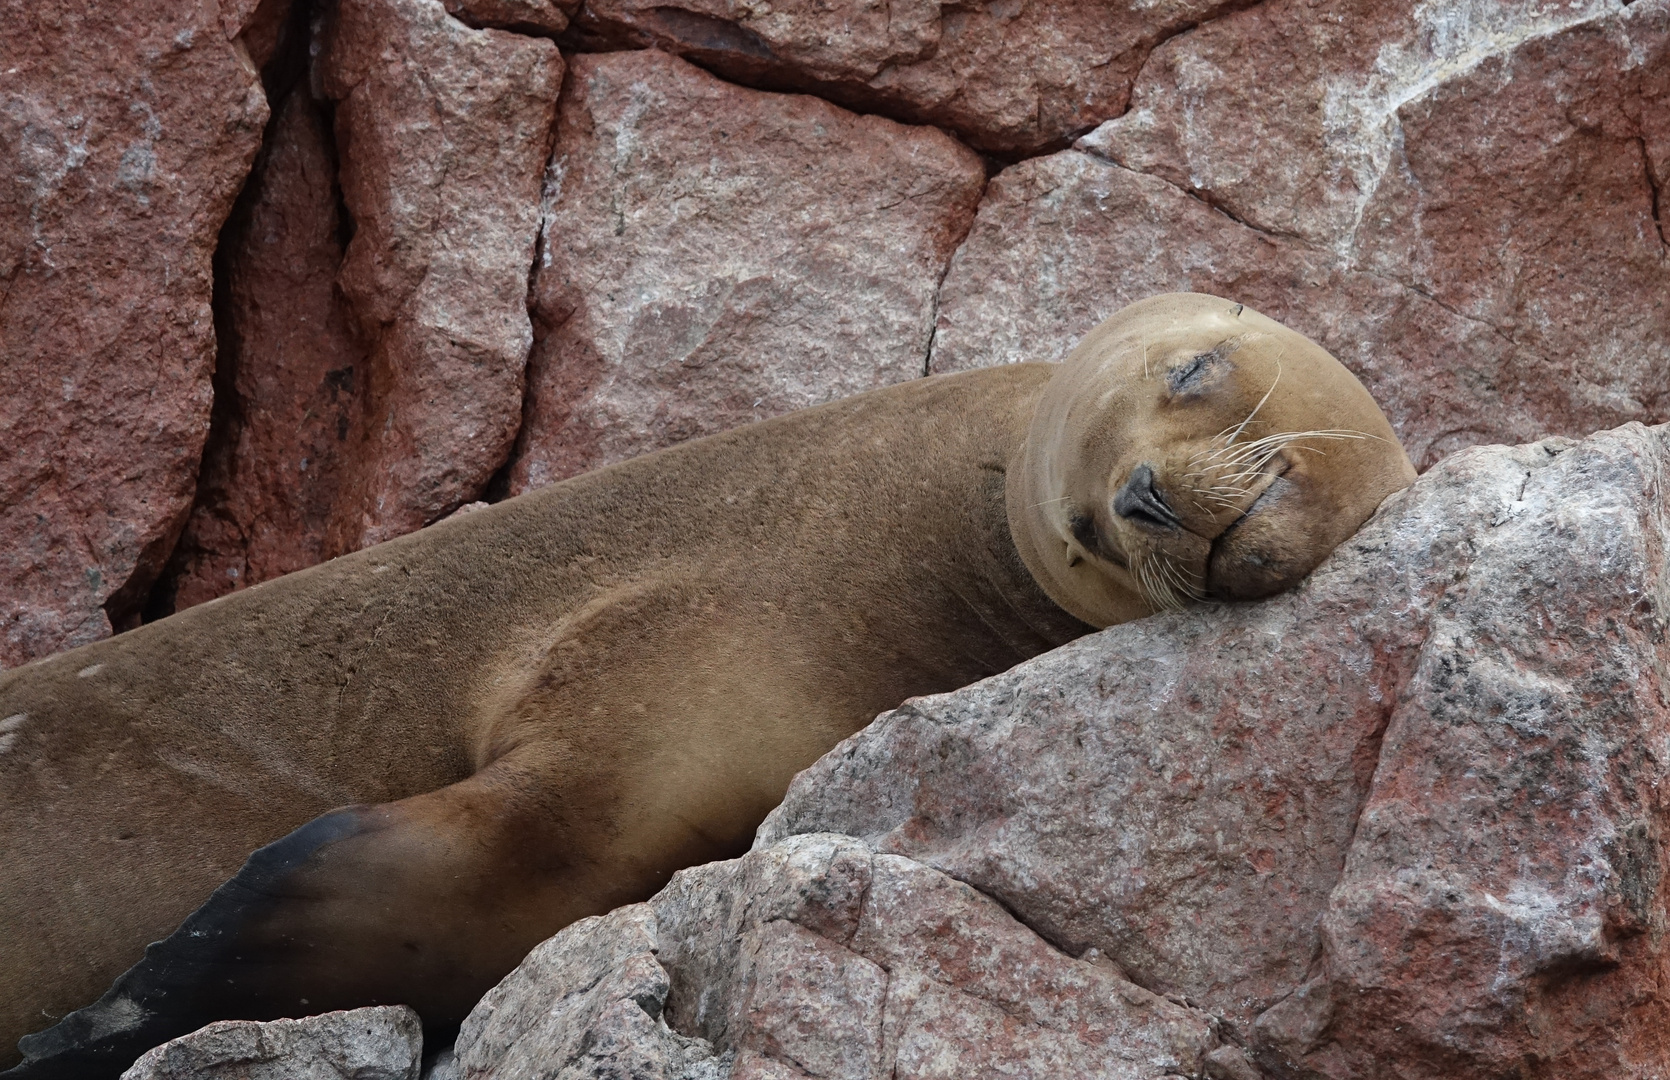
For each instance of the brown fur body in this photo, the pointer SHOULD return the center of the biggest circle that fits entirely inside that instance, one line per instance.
(534, 712)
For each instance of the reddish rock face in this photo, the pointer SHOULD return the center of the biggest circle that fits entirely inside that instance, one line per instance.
(1435, 220)
(1009, 78)
(126, 132)
(817, 957)
(443, 134)
(1404, 820)
(714, 255)
(523, 16)
(291, 378)
(1211, 800)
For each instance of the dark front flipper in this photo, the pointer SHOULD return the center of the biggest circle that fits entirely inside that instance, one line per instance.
(426, 902)
(184, 981)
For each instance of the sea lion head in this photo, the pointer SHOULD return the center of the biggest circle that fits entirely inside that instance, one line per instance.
(1190, 448)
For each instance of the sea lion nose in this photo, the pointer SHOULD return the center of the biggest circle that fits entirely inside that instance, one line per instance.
(1139, 502)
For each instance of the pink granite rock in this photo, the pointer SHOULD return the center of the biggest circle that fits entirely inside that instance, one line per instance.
(443, 133)
(291, 384)
(1427, 192)
(126, 131)
(817, 957)
(1011, 78)
(522, 16)
(1400, 819)
(714, 255)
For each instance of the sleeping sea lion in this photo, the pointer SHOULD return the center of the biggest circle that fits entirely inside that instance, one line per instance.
(455, 743)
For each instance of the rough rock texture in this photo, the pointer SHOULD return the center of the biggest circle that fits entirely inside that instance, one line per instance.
(1404, 819)
(443, 133)
(382, 1043)
(714, 255)
(1461, 201)
(522, 16)
(1009, 78)
(125, 133)
(818, 957)
(290, 379)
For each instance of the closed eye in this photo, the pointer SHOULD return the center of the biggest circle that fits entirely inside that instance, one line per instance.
(1202, 370)
(1182, 376)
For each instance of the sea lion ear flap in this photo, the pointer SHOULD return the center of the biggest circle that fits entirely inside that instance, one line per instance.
(415, 902)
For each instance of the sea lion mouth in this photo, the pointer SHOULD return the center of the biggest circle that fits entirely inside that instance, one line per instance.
(1219, 555)
(1252, 508)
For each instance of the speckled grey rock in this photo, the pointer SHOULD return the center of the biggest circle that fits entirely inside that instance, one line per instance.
(380, 1043)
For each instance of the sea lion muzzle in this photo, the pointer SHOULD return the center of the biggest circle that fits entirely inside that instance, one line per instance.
(1253, 558)
(1139, 501)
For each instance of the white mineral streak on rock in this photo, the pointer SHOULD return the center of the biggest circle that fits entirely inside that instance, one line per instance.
(1418, 188)
(380, 1043)
(1450, 39)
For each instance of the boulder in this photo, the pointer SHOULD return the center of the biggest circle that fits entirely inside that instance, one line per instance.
(819, 957)
(380, 1043)
(1404, 818)
(1011, 78)
(443, 133)
(713, 255)
(126, 133)
(1423, 189)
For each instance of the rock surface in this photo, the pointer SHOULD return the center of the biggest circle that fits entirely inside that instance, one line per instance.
(291, 376)
(1426, 190)
(1462, 200)
(818, 957)
(1010, 78)
(125, 133)
(1405, 816)
(381, 1043)
(444, 132)
(714, 255)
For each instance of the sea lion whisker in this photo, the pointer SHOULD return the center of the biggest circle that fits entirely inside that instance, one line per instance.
(1180, 585)
(1159, 595)
(1286, 437)
(1243, 424)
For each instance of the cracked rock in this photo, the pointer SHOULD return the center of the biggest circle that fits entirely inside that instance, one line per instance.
(443, 132)
(1009, 78)
(380, 1043)
(819, 957)
(1461, 201)
(126, 133)
(714, 255)
(292, 384)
